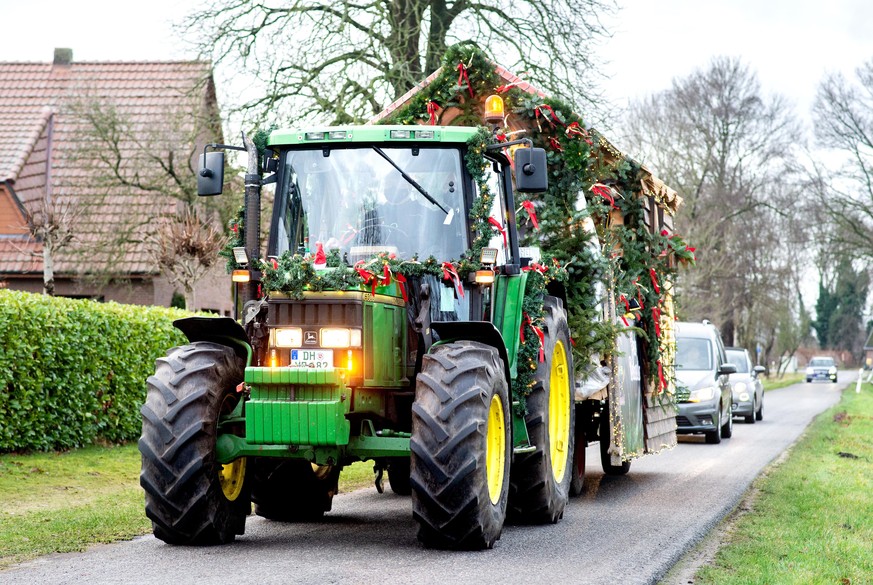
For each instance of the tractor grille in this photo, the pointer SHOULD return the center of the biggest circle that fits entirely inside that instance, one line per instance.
(317, 313)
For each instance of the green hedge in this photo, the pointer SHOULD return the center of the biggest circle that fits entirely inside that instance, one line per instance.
(74, 371)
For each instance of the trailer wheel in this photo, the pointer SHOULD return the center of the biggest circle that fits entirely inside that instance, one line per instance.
(190, 497)
(461, 444)
(398, 475)
(293, 490)
(577, 483)
(605, 457)
(540, 481)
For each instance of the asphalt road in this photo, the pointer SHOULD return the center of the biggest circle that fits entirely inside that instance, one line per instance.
(627, 530)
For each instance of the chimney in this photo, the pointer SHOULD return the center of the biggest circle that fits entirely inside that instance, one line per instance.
(63, 58)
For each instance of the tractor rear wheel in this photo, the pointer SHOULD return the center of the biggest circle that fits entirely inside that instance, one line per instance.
(461, 444)
(293, 490)
(190, 497)
(540, 481)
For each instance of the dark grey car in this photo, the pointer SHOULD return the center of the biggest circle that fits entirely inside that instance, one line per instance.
(703, 389)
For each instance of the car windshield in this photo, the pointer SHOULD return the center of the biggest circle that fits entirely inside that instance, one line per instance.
(821, 362)
(353, 199)
(739, 359)
(693, 353)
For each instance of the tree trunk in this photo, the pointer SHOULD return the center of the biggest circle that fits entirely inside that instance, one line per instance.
(48, 269)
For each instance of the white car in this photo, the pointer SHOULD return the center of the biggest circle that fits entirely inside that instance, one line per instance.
(821, 368)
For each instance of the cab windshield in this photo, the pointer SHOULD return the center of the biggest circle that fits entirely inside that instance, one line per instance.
(356, 201)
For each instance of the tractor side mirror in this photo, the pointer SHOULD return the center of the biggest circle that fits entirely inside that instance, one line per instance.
(210, 179)
(531, 174)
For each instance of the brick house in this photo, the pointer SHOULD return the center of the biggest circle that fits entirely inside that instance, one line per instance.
(105, 143)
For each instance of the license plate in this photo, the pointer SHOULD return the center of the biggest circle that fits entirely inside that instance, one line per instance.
(321, 359)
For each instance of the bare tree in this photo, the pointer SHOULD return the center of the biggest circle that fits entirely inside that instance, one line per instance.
(730, 152)
(185, 248)
(143, 176)
(345, 61)
(52, 222)
(843, 114)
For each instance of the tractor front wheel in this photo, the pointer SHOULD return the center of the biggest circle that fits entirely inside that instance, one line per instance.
(540, 481)
(461, 442)
(190, 497)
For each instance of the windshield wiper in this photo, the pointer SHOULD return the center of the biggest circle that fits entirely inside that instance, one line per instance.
(410, 180)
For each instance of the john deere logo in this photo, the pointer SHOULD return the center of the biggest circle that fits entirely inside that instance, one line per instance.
(310, 337)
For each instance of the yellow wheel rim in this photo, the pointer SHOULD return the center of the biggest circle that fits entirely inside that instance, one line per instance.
(495, 449)
(559, 412)
(231, 478)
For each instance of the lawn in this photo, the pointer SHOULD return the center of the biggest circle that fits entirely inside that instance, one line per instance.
(64, 502)
(813, 520)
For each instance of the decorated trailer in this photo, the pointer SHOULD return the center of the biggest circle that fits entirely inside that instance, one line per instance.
(465, 293)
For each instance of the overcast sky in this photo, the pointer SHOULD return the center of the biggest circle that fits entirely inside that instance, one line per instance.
(790, 43)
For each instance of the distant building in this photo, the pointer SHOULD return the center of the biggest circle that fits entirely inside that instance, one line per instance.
(49, 152)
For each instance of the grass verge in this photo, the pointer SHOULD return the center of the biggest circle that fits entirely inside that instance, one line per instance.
(65, 502)
(813, 520)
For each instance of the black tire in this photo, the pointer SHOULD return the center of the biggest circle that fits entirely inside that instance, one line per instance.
(398, 475)
(293, 490)
(540, 486)
(605, 457)
(192, 387)
(727, 429)
(808, 380)
(577, 481)
(749, 419)
(458, 498)
(759, 414)
(714, 437)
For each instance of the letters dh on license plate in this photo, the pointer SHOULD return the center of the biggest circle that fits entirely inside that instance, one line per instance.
(312, 358)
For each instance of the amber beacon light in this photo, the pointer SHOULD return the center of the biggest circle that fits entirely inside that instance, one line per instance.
(494, 109)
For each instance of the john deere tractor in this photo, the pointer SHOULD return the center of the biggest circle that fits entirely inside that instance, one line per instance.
(382, 323)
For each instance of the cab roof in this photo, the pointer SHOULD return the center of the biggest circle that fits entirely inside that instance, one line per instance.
(336, 135)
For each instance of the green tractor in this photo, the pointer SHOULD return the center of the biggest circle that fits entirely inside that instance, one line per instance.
(359, 339)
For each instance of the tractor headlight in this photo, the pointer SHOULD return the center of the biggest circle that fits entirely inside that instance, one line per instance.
(286, 337)
(340, 337)
(702, 394)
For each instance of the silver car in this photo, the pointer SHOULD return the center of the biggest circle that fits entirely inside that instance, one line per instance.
(821, 368)
(703, 390)
(747, 388)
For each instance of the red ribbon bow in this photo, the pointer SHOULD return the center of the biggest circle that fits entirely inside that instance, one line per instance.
(449, 273)
(462, 76)
(547, 108)
(499, 227)
(432, 107)
(605, 192)
(275, 263)
(536, 267)
(531, 213)
(656, 316)
(654, 278)
(401, 282)
(663, 383)
(366, 276)
(555, 144)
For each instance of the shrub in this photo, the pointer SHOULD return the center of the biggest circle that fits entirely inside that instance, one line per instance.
(74, 371)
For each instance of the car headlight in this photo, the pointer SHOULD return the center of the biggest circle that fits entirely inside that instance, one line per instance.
(340, 337)
(740, 387)
(286, 337)
(702, 394)
(832, 370)
(809, 371)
